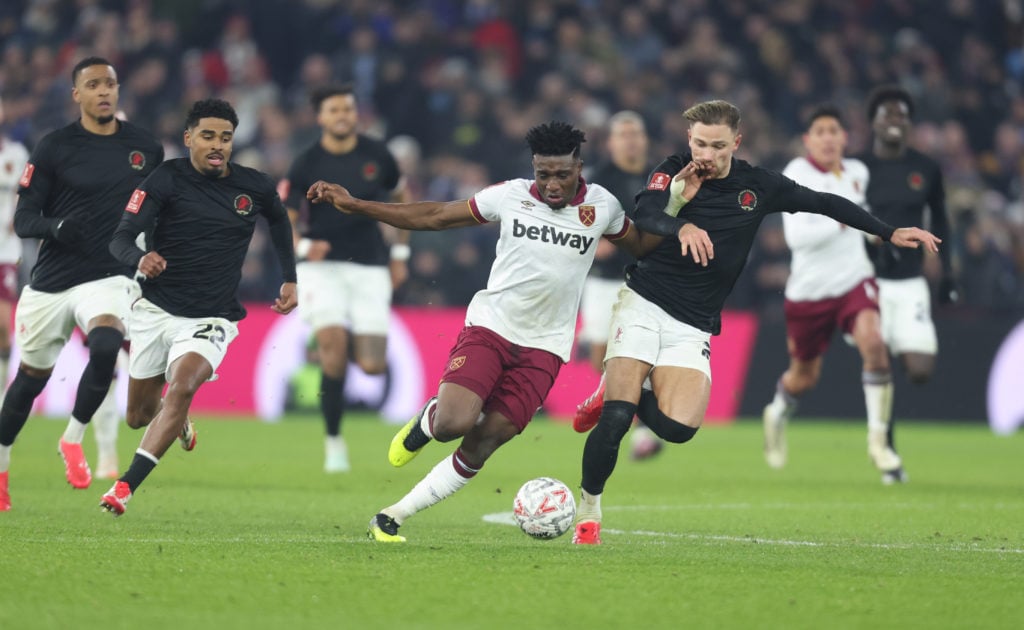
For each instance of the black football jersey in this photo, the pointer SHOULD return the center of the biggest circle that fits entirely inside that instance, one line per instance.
(625, 187)
(202, 226)
(79, 175)
(899, 191)
(368, 172)
(730, 210)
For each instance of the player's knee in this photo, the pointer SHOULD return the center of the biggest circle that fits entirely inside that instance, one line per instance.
(616, 418)
(104, 344)
(451, 425)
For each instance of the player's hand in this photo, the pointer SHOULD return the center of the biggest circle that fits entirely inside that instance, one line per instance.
(287, 300)
(692, 176)
(948, 293)
(697, 244)
(68, 231)
(152, 265)
(399, 273)
(325, 192)
(912, 237)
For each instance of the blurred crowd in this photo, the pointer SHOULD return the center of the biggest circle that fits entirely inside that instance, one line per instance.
(453, 85)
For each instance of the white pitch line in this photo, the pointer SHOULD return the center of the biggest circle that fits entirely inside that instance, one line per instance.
(506, 518)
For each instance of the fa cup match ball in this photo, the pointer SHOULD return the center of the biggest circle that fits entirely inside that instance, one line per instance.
(544, 508)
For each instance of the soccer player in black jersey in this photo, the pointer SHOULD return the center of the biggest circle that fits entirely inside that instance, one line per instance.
(708, 205)
(903, 183)
(346, 272)
(201, 212)
(624, 175)
(72, 191)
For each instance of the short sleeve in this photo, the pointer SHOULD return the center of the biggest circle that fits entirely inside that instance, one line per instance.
(486, 204)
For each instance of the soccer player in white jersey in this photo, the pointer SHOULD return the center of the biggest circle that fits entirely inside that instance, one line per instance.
(519, 330)
(13, 157)
(831, 285)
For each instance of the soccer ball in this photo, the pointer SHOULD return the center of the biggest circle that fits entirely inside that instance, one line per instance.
(544, 508)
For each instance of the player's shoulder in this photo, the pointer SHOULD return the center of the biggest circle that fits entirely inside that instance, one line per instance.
(797, 167)
(131, 131)
(596, 193)
(372, 146)
(916, 157)
(253, 179)
(54, 140)
(855, 167)
(12, 149)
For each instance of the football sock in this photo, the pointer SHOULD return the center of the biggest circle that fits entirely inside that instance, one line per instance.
(332, 393)
(5, 458)
(783, 404)
(601, 451)
(105, 422)
(421, 432)
(142, 464)
(589, 508)
(18, 404)
(5, 363)
(446, 478)
(878, 392)
(75, 431)
(104, 344)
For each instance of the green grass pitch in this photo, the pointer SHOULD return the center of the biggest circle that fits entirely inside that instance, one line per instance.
(248, 532)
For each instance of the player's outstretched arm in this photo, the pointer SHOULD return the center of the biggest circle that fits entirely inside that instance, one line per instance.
(913, 237)
(421, 215)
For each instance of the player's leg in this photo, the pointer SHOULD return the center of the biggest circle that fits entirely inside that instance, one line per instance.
(104, 336)
(475, 364)
(105, 423)
(512, 400)
(809, 328)
(878, 394)
(43, 323)
(919, 366)
(333, 348)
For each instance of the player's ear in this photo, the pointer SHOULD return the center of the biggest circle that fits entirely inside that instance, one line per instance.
(739, 138)
(75, 95)
(188, 139)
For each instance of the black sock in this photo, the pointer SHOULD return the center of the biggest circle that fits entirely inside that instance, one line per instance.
(138, 471)
(332, 394)
(18, 404)
(602, 448)
(104, 343)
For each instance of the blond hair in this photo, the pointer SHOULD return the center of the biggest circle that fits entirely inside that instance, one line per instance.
(714, 113)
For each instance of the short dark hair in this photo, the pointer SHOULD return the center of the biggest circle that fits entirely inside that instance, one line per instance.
(85, 63)
(321, 94)
(825, 110)
(891, 92)
(555, 138)
(211, 108)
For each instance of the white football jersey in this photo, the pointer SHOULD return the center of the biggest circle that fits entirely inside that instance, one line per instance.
(543, 257)
(828, 257)
(13, 157)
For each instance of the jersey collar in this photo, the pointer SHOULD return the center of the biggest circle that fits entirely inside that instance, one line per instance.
(581, 193)
(821, 168)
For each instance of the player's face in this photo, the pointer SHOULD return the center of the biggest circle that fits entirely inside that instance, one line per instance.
(558, 178)
(627, 143)
(892, 122)
(712, 147)
(209, 146)
(338, 115)
(825, 142)
(96, 92)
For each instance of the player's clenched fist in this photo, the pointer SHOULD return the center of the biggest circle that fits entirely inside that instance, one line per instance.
(152, 265)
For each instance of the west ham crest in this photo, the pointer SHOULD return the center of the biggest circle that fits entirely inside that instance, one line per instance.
(587, 215)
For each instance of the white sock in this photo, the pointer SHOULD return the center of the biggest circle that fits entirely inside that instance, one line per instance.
(151, 457)
(426, 420)
(75, 431)
(878, 400)
(784, 404)
(105, 422)
(589, 507)
(5, 458)
(447, 478)
(4, 365)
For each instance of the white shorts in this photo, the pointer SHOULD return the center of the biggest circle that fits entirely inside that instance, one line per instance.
(350, 295)
(645, 332)
(160, 338)
(43, 322)
(599, 296)
(906, 312)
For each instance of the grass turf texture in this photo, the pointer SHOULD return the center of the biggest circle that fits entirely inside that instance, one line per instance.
(248, 532)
